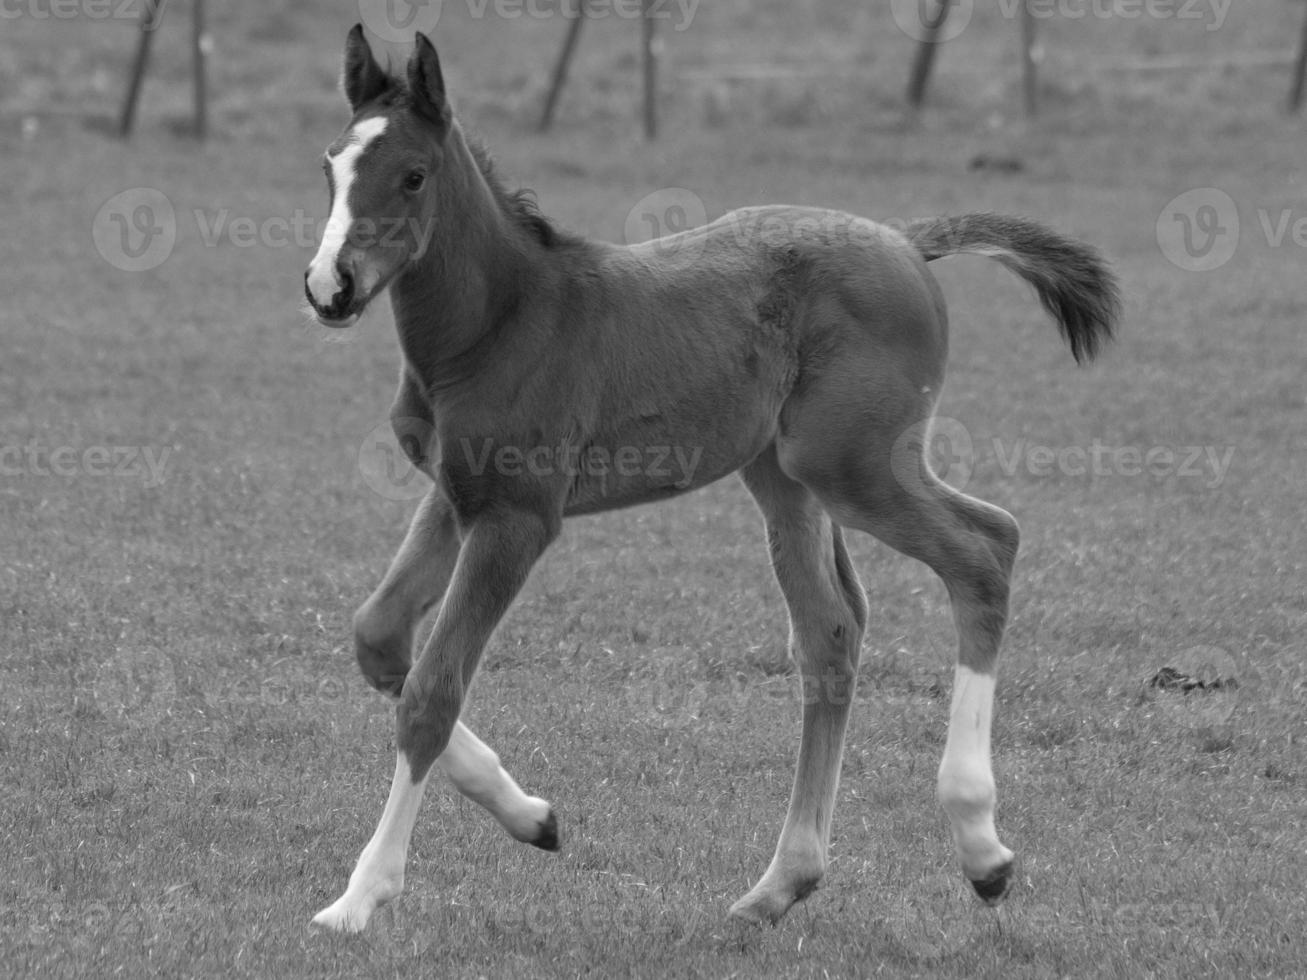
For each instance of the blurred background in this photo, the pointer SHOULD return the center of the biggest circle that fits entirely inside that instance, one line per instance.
(733, 65)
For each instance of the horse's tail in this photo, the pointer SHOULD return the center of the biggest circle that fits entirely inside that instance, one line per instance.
(1072, 279)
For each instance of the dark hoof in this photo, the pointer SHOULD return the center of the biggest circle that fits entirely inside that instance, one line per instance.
(547, 838)
(994, 885)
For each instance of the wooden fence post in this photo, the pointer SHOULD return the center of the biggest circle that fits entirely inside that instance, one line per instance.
(649, 49)
(198, 44)
(1029, 72)
(150, 21)
(564, 61)
(1299, 69)
(924, 60)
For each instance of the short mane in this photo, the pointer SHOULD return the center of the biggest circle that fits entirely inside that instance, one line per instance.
(519, 205)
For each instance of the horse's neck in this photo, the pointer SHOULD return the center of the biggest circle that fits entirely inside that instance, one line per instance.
(452, 299)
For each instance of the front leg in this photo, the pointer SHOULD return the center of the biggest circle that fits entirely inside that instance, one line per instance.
(498, 552)
(416, 581)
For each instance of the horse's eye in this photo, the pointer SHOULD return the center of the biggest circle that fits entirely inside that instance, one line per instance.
(415, 180)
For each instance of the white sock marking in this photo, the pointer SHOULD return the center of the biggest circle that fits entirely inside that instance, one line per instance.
(966, 779)
(379, 874)
(323, 282)
(474, 769)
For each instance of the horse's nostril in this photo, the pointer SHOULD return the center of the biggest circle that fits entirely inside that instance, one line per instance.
(346, 286)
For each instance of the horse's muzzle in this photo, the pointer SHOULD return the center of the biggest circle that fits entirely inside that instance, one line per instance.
(340, 312)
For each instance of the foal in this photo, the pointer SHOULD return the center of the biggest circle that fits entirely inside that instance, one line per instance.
(803, 348)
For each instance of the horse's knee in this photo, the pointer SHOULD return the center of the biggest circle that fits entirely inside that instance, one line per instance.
(425, 717)
(383, 654)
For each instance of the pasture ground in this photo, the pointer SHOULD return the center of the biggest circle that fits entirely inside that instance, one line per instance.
(190, 762)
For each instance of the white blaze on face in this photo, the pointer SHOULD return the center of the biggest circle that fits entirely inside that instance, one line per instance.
(323, 282)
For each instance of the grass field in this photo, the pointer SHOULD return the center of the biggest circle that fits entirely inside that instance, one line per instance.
(189, 760)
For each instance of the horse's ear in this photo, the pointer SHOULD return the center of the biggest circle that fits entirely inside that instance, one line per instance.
(426, 84)
(363, 79)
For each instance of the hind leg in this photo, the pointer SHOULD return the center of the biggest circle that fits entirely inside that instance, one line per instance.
(972, 546)
(828, 613)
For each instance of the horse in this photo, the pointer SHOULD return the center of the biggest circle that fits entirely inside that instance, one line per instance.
(802, 348)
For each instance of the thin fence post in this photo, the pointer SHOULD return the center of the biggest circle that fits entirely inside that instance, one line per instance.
(198, 45)
(924, 60)
(1299, 69)
(149, 21)
(649, 42)
(1029, 72)
(564, 61)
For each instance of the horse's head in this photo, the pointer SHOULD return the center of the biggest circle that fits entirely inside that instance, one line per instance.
(381, 174)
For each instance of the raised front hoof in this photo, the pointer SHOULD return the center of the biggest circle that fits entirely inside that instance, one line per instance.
(547, 837)
(766, 906)
(994, 886)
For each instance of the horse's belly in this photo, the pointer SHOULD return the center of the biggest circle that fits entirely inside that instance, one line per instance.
(619, 473)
